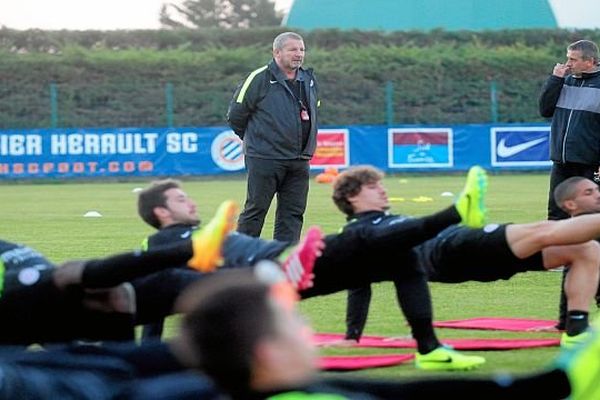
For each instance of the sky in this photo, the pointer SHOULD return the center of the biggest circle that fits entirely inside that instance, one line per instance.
(143, 14)
(582, 14)
(86, 14)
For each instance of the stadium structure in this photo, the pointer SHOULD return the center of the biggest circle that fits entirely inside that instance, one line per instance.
(476, 15)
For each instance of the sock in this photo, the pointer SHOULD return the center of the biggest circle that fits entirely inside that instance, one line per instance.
(111, 271)
(439, 221)
(422, 331)
(414, 299)
(577, 322)
(357, 310)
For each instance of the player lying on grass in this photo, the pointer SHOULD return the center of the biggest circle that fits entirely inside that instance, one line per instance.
(350, 259)
(460, 254)
(241, 338)
(90, 300)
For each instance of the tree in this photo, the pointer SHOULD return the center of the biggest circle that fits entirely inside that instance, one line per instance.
(220, 14)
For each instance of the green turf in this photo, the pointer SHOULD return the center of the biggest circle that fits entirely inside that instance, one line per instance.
(50, 218)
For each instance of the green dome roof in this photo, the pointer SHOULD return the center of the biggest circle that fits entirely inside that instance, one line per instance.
(392, 15)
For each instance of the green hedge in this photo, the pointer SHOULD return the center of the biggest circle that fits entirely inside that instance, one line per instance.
(105, 79)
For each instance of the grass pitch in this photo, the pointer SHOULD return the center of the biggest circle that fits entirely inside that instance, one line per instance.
(49, 217)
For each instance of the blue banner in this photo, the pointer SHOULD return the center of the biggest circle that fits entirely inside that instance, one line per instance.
(68, 153)
(119, 152)
(520, 146)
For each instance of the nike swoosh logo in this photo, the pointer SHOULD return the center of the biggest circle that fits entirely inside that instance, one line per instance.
(468, 204)
(272, 81)
(185, 235)
(376, 220)
(508, 151)
(446, 360)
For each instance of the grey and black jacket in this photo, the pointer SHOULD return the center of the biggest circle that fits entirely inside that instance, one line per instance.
(574, 105)
(265, 114)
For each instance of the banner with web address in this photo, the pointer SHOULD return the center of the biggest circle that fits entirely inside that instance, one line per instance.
(138, 152)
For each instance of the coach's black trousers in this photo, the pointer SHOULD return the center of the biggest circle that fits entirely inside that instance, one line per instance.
(286, 178)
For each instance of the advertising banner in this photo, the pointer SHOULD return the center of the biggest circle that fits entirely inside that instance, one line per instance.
(118, 152)
(65, 153)
(332, 149)
(520, 146)
(420, 147)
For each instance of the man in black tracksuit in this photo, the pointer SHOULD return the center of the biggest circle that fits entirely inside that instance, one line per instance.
(78, 300)
(38, 308)
(571, 97)
(579, 196)
(166, 207)
(460, 254)
(274, 112)
(91, 300)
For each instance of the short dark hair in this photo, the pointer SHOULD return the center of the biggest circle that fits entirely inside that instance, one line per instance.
(225, 317)
(566, 190)
(588, 49)
(152, 197)
(350, 182)
(282, 38)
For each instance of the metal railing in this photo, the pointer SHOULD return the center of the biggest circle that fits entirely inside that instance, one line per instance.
(159, 104)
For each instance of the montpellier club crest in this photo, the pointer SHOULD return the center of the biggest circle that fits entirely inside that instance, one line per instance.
(226, 151)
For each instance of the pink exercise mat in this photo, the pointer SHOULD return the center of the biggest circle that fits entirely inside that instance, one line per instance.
(328, 339)
(351, 363)
(500, 324)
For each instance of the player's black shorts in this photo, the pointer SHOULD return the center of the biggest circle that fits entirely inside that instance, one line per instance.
(461, 254)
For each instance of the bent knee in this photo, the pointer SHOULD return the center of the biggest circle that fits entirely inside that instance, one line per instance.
(588, 252)
(592, 250)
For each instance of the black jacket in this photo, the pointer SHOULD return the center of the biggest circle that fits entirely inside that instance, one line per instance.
(239, 250)
(169, 235)
(15, 257)
(265, 114)
(574, 105)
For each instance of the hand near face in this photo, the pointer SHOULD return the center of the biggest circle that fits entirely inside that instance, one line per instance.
(561, 70)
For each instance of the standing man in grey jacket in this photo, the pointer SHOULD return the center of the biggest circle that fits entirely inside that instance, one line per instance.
(274, 112)
(571, 97)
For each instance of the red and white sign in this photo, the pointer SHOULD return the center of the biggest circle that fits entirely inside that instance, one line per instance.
(332, 149)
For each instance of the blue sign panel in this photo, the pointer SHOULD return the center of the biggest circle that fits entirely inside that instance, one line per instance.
(118, 152)
(520, 146)
(420, 147)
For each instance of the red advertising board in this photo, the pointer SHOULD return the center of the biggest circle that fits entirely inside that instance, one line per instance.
(332, 149)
